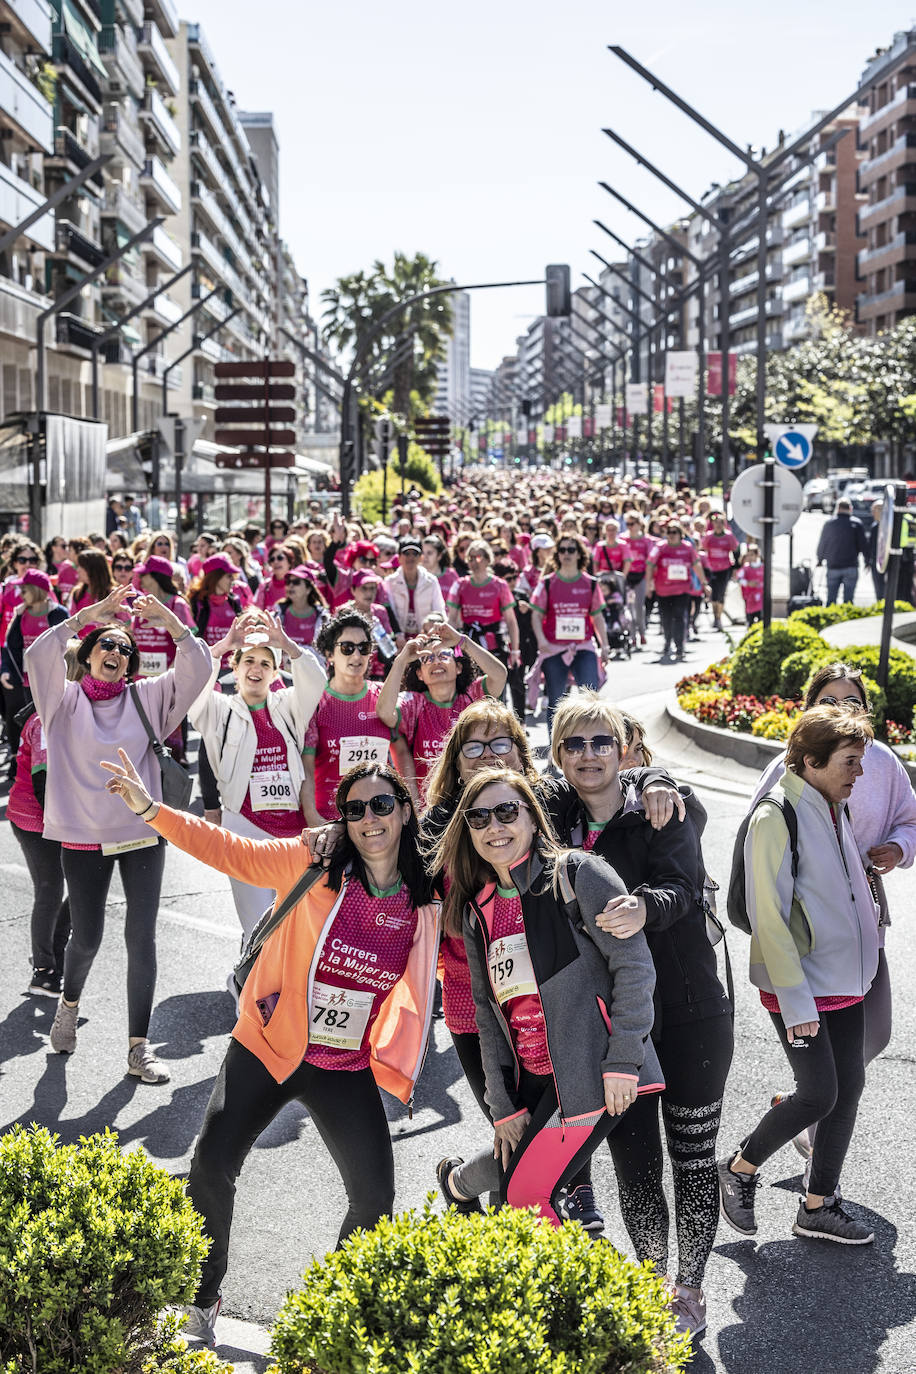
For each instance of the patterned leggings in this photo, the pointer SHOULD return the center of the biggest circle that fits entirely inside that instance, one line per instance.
(695, 1059)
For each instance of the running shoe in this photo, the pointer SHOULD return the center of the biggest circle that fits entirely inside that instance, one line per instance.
(464, 1206)
(579, 1205)
(143, 1064)
(831, 1222)
(688, 1307)
(835, 1196)
(736, 1197)
(200, 1324)
(802, 1141)
(45, 982)
(63, 1029)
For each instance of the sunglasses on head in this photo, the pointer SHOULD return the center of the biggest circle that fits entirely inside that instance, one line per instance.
(478, 817)
(380, 805)
(475, 748)
(851, 703)
(567, 548)
(349, 646)
(601, 744)
(115, 646)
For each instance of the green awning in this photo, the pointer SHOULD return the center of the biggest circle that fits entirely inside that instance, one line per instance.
(80, 35)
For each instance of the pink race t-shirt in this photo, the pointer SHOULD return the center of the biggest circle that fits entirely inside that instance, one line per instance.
(364, 954)
(673, 565)
(264, 797)
(424, 724)
(457, 998)
(512, 977)
(638, 551)
(270, 592)
(300, 628)
(718, 550)
(568, 607)
(22, 807)
(343, 732)
(750, 579)
(481, 603)
(608, 557)
(157, 647)
(10, 598)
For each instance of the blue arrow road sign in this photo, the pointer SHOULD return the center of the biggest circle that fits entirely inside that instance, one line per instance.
(793, 449)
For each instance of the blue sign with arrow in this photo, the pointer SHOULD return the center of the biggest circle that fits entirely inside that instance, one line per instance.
(792, 444)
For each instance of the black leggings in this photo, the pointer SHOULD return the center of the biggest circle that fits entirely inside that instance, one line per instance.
(50, 908)
(88, 874)
(348, 1114)
(829, 1071)
(695, 1059)
(674, 611)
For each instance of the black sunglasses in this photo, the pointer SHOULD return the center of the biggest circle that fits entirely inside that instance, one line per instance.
(115, 646)
(601, 744)
(567, 548)
(122, 567)
(380, 805)
(21, 558)
(851, 703)
(474, 748)
(278, 558)
(478, 817)
(348, 647)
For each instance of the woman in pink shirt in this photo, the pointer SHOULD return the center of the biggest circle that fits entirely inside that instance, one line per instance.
(668, 574)
(280, 561)
(638, 547)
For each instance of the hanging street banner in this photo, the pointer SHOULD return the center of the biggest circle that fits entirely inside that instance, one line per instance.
(637, 398)
(602, 416)
(714, 374)
(574, 427)
(681, 373)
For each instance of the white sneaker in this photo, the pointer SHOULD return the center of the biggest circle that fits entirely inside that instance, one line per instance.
(143, 1064)
(688, 1307)
(63, 1029)
(200, 1324)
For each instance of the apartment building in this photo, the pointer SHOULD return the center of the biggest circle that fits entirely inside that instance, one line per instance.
(502, 402)
(453, 372)
(887, 176)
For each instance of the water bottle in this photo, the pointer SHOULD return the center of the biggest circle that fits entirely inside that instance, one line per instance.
(384, 643)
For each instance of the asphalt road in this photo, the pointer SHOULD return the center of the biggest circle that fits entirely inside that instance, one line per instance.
(778, 1304)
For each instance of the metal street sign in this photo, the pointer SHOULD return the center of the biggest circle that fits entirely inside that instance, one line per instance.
(236, 461)
(792, 444)
(193, 424)
(886, 528)
(748, 500)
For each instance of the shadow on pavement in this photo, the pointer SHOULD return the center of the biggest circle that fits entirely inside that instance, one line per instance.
(257, 1364)
(51, 1093)
(181, 1024)
(440, 1071)
(803, 1306)
(26, 1028)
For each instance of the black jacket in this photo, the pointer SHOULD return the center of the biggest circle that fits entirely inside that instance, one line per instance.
(11, 660)
(842, 540)
(666, 868)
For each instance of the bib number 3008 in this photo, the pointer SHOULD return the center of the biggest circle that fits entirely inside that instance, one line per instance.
(338, 1016)
(511, 972)
(272, 792)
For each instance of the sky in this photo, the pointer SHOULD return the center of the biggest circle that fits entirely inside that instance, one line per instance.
(472, 132)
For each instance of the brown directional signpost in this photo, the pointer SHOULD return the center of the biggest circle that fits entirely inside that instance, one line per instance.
(255, 413)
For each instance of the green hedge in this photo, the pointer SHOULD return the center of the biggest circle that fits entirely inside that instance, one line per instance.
(93, 1245)
(817, 617)
(757, 662)
(503, 1293)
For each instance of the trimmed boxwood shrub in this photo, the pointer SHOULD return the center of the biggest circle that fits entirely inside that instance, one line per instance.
(504, 1293)
(756, 663)
(93, 1245)
(819, 616)
(901, 676)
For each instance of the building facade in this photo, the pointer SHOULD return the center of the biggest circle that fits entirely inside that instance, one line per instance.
(453, 381)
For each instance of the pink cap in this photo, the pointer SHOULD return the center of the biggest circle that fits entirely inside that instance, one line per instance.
(219, 562)
(364, 575)
(155, 564)
(34, 577)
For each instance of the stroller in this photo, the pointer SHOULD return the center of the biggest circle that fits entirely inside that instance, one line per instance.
(617, 615)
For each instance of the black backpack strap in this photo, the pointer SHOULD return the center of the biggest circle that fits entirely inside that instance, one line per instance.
(278, 914)
(788, 811)
(151, 733)
(225, 734)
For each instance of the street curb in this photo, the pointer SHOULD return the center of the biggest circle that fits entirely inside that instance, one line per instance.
(747, 750)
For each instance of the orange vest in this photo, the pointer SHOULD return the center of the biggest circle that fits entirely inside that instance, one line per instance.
(286, 963)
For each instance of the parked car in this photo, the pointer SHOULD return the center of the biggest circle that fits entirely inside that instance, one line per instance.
(863, 495)
(813, 493)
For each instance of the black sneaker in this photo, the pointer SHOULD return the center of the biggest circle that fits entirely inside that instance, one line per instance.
(45, 982)
(736, 1197)
(465, 1206)
(580, 1206)
(831, 1222)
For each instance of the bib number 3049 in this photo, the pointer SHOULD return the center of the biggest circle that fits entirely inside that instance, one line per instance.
(511, 973)
(338, 1016)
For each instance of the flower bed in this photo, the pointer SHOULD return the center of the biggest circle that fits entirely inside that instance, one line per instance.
(709, 697)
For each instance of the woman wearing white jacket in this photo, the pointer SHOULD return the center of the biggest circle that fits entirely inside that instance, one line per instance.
(254, 740)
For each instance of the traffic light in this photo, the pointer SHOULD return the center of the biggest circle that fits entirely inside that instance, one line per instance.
(559, 302)
(384, 438)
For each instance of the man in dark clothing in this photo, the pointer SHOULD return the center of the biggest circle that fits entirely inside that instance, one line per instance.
(841, 543)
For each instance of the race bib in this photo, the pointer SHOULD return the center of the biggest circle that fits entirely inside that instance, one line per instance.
(272, 792)
(511, 973)
(677, 572)
(338, 1016)
(128, 846)
(570, 627)
(367, 749)
(151, 665)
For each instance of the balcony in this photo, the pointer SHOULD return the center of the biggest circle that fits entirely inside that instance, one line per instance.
(797, 290)
(796, 214)
(122, 205)
(151, 45)
(120, 281)
(134, 11)
(894, 109)
(160, 187)
(220, 265)
(798, 251)
(901, 201)
(796, 328)
(68, 55)
(887, 254)
(825, 241)
(203, 151)
(154, 364)
(73, 332)
(119, 137)
(121, 61)
(164, 309)
(19, 199)
(163, 248)
(824, 281)
(166, 16)
(72, 242)
(68, 149)
(206, 202)
(825, 203)
(901, 296)
(160, 123)
(203, 391)
(901, 153)
(19, 309)
(218, 130)
(35, 18)
(24, 105)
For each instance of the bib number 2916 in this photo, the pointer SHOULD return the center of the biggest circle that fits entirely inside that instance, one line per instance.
(355, 749)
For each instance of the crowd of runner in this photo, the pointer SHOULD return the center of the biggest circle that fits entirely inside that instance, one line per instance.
(357, 695)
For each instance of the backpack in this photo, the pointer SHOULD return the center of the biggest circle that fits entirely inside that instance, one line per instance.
(737, 894)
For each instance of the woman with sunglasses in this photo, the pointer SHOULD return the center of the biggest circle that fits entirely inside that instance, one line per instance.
(80, 720)
(566, 618)
(883, 813)
(280, 561)
(31, 619)
(483, 606)
(55, 554)
(23, 556)
(344, 730)
(663, 870)
(214, 604)
(253, 739)
(317, 1021)
(122, 569)
(563, 1010)
(441, 675)
(303, 610)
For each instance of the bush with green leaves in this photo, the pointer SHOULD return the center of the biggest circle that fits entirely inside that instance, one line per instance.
(757, 662)
(901, 676)
(817, 617)
(419, 471)
(504, 1293)
(94, 1243)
